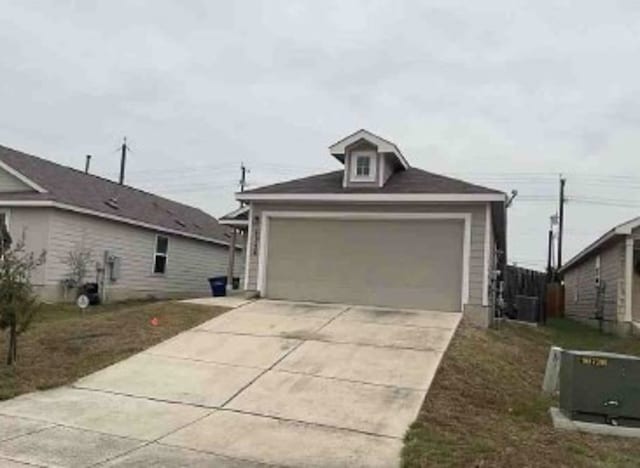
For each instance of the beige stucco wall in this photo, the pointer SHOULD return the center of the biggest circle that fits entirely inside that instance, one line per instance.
(190, 262)
(477, 211)
(9, 183)
(580, 290)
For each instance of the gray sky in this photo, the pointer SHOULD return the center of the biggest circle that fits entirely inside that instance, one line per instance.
(504, 93)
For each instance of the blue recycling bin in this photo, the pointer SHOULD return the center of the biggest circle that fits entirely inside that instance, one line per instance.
(218, 286)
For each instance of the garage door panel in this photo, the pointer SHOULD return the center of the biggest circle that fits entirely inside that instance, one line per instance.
(401, 263)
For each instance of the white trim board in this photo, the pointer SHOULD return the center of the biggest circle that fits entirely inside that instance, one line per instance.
(372, 197)
(263, 255)
(487, 253)
(233, 222)
(247, 259)
(99, 214)
(628, 279)
(22, 178)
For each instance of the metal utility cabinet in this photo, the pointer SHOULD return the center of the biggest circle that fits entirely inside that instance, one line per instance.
(600, 387)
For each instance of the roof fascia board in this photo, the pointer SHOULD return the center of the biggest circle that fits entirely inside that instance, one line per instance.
(629, 226)
(373, 197)
(234, 222)
(21, 177)
(236, 212)
(121, 219)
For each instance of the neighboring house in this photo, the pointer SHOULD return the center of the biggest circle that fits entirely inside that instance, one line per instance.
(141, 244)
(376, 232)
(605, 278)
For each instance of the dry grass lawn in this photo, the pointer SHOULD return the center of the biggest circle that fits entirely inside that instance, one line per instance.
(64, 344)
(485, 409)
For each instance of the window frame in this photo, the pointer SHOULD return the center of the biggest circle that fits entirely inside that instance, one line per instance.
(7, 217)
(371, 156)
(157, 254)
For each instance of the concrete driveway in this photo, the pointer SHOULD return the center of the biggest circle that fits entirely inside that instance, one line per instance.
(270, 382)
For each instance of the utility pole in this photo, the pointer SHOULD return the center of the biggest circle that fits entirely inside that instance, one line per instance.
(123, 159)
(549, 255)
(561, 222)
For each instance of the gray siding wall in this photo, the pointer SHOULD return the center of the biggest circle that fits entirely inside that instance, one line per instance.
(190, 262)
(387, 167)
(476, 263)
(33, 224)
(9, 183)
(635, 302)
(580, 291)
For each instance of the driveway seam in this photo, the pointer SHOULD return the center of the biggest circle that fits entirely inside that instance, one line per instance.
(403, 325)
(342, 379)
(309, 423)
(218, 454)
(22, 462)
(142, 397)
(300, 343)
(302, 333)
(147, 443)
(203, 361)
(35, 431)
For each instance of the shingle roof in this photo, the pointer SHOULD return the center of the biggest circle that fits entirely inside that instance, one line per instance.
(73, 187)
(411, 180)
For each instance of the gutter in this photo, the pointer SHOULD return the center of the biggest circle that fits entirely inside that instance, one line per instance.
(373, 197)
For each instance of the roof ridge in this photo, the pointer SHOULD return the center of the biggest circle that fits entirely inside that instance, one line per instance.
(96, 176)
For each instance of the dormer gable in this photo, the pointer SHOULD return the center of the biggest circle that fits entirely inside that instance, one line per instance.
(368, 159)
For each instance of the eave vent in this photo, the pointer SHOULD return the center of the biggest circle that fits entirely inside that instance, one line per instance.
(112, 203)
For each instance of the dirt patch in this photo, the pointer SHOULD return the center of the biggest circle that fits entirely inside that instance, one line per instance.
(64, 344)
(485, 406)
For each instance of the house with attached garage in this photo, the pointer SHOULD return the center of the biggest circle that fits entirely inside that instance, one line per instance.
(602, 282)
(138, 244)
(376, 232)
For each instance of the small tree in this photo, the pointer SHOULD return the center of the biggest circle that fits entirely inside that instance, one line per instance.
(17, 300)
(78, 262)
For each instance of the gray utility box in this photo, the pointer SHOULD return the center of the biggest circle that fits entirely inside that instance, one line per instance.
(600, 387)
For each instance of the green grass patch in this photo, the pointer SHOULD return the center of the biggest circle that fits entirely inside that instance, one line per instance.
(485, 407)
(63, 343)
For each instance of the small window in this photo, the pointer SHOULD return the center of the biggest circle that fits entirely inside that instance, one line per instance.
(363, 166)
(160, 255)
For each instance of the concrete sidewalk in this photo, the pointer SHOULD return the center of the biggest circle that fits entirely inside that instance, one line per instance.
(271, 382)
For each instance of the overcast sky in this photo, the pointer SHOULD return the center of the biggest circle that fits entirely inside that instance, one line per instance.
(505, 93)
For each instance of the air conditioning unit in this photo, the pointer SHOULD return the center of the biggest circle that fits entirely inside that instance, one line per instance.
(600, 387)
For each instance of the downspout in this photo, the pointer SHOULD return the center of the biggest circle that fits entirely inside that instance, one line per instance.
(628, 279)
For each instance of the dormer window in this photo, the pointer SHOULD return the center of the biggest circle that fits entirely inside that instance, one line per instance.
(363, 167)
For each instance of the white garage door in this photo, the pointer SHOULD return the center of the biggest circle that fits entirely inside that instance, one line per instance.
(397, 263)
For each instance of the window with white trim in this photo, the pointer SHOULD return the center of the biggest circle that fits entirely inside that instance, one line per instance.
(161, 255)
(4, 224)
(4, 218)
(363, 167)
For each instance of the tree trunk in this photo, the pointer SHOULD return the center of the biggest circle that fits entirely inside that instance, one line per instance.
(12, 355)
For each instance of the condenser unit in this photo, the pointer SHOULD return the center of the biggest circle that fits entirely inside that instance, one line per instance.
(600, 387)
